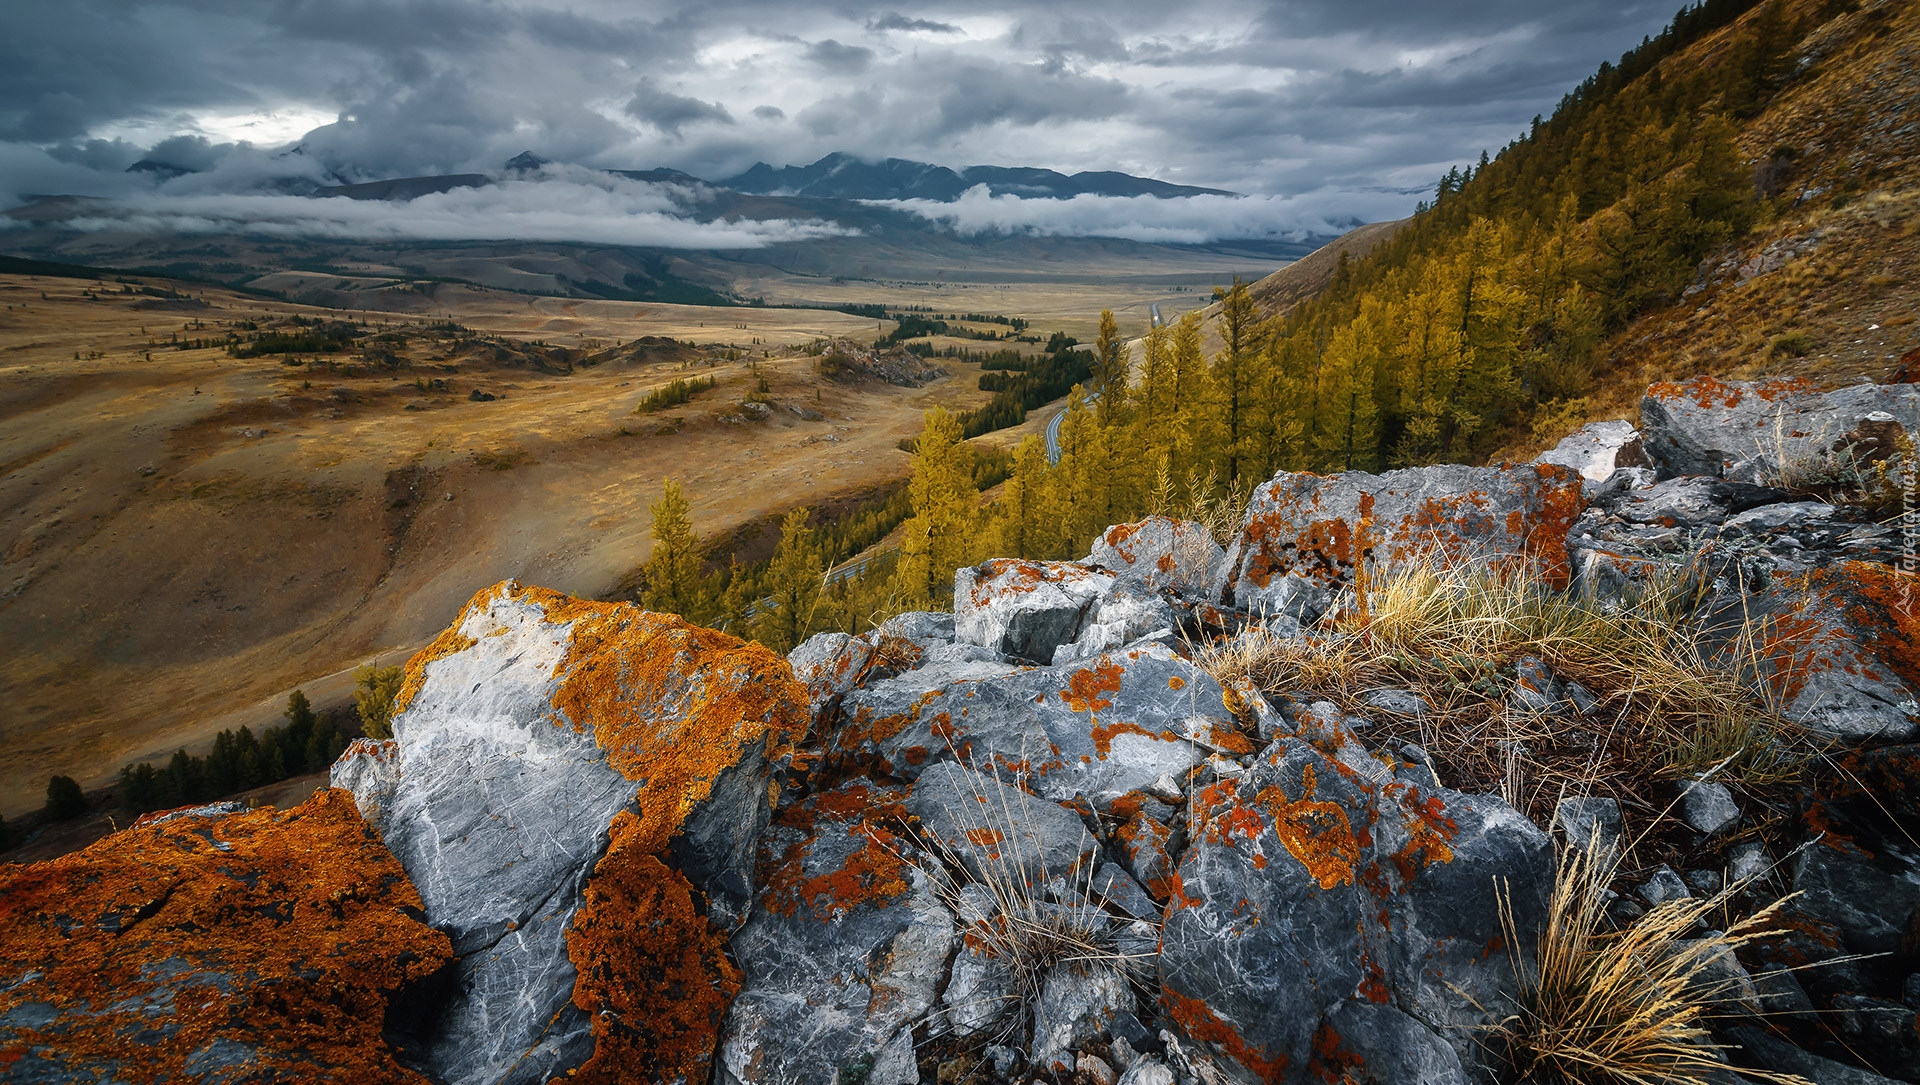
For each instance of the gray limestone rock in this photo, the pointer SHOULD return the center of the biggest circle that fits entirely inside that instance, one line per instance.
(1177, 555)
(1664, 885)
(1076, 1007)
(1708, 807)
(1322, 916)
(1705, 426)
(1101, 727)
(843, 953)
(497, 801)
(1589, 821)
(1598, 449)
(1400, 702)
(987, 824)
(1024, 609)
(1317, 529)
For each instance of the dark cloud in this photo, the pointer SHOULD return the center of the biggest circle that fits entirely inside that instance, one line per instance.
(893, 20)
(835, 56)
(670, 112)
(1275, 97)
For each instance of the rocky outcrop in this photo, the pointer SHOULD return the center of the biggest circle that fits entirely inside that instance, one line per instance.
(1598, 449)
(1176, 555)
(845, 952)
(563, 777)
(1337, 915)
(213, 946)
(1750, 430)
(1100, 729)
(1303, 534)
(1839, 647)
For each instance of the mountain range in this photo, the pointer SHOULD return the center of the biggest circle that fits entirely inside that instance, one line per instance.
(836, 176)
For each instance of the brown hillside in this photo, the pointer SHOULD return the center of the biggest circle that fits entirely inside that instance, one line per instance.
(1279, 292)
(1827, 286)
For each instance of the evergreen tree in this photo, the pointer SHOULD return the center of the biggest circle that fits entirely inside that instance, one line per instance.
(793, 587)
(374, 694)
(673, 568)
(939, 537)
(1234, 376)
(1110, 367)
(64, 799)
(1347, 440)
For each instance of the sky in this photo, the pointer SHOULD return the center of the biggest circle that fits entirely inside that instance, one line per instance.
(1320, 110)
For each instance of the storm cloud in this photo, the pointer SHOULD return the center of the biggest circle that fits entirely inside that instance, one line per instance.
(1337, 108)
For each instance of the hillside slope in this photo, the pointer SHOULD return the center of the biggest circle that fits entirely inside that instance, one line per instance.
(1828, 286)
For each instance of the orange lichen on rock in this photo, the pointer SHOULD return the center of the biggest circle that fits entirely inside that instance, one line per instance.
(1315, 832)
(1085, 686)
(653, 975)
(269, 940)
(872, 873)
(1860, 617)
(672, 704)
(1198, 1020)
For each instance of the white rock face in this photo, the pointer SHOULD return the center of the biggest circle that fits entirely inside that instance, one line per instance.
(1024, 609)
(498, 804)
(1597, 449)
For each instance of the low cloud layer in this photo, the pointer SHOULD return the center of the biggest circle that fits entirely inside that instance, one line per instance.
(1338, 98)
(1190, 220)
(565, 205)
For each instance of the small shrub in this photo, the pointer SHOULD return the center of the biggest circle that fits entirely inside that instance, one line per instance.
(673, 394)
(373, 698)
(64, 800)
(1796, 344)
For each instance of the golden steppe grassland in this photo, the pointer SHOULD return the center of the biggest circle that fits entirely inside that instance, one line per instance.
(187, 536)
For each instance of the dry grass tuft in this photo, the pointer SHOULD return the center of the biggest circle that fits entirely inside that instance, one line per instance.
(1626, 1007)
(1028, 936)
(1453, 634)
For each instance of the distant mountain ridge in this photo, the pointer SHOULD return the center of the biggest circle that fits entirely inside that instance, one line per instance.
(844, 176)
(838, 176)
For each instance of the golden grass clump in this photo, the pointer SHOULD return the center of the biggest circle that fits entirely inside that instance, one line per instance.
(1625, 1007)
(1451, 633)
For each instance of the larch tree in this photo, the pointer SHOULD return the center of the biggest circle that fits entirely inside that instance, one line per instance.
(939, 537)
(1234, 374)
(792, 587)
(1110, 368)
(673, 569)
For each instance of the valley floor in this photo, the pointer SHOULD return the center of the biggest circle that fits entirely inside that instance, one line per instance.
(186, 536)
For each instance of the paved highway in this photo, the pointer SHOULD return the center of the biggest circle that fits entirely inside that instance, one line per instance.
(854, 567)
(1053, 429)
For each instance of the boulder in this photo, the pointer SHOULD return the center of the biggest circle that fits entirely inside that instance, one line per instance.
(1711, 427)
(1333, 919)
(206, 947)
(1839, 645)
(1598, 449)
(1077, 1004)
(845, 951)
(1024, 609)
(1129, 610)
(565, 776)
(1177, 555)
(996, 831)
(1302, 530)
(1099, 728)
